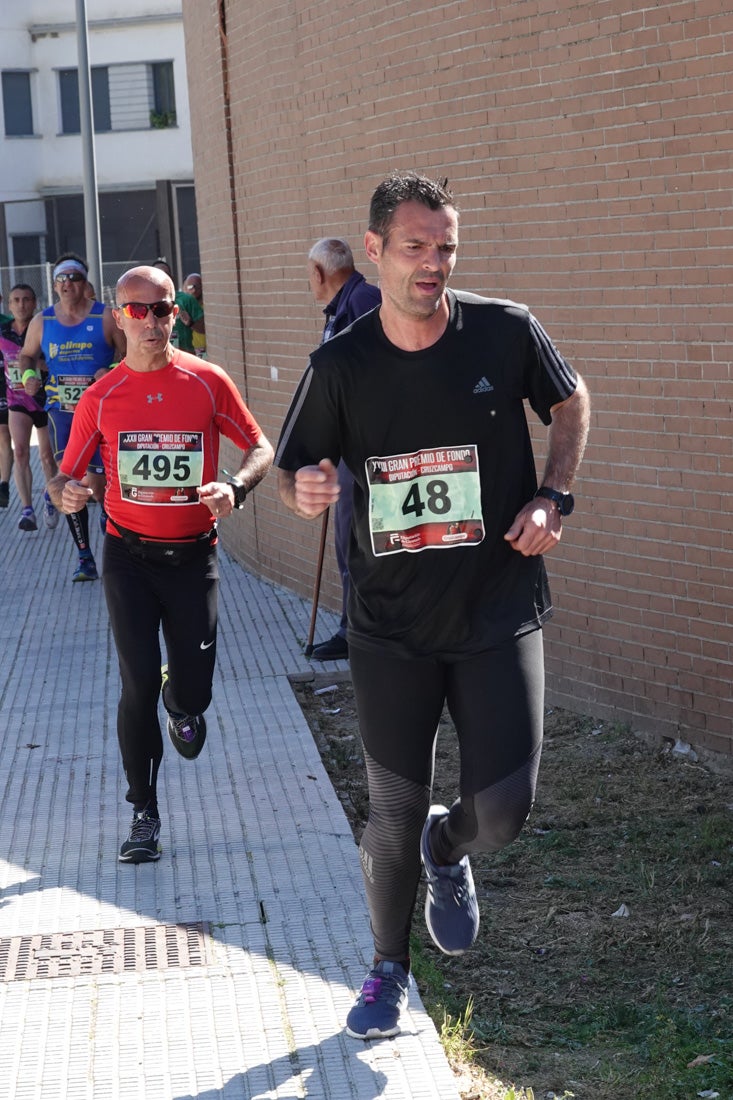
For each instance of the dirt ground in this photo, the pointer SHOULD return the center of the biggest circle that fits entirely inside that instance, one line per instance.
(603, 969)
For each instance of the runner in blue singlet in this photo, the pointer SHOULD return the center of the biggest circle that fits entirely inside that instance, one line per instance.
(79, 340)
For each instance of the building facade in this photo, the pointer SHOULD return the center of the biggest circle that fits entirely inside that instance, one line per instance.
(591, 151)
(142, 136)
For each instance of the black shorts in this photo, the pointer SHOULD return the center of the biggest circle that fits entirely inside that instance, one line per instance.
(38, 416)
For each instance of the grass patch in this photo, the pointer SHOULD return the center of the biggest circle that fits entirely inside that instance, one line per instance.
(603, 966)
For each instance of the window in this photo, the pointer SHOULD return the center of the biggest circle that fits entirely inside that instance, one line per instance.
(163, 112)
(26, 249)
(69, 96)
(17, 106)
(130, 96)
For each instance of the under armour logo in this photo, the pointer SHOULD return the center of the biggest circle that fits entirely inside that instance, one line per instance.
(154, 397)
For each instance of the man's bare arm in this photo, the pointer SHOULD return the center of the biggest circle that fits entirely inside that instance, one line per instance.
(537, 527)
(255, 463)
(568, 435)
(28, 358)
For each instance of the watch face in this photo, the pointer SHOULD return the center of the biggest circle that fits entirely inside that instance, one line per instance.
(567, 504)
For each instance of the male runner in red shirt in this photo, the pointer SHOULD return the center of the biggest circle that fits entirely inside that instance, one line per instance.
(157, 419)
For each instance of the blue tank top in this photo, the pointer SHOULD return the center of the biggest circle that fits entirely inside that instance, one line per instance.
(74, 353)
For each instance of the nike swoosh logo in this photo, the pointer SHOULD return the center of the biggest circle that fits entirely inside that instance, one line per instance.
(206, 645)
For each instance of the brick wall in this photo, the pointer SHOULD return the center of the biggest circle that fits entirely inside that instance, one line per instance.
(590, 148)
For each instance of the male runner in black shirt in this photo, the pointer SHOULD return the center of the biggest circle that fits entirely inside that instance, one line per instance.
(423, 399)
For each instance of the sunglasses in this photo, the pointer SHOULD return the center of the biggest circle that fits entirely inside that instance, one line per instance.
(138, 311)
(70, 277)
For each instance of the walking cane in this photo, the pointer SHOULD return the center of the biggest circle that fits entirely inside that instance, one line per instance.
(317, 585)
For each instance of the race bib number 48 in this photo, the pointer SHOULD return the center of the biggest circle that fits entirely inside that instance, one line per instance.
(160, 467)
(425, 500)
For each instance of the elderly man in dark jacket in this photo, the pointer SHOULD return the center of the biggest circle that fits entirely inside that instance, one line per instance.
(345, 295)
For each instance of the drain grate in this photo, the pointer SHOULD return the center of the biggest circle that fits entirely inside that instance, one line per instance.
(106, 951)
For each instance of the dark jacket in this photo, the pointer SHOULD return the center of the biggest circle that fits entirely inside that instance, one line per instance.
(356, 297)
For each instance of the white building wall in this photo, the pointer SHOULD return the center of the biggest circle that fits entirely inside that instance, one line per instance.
(41, 36)
(124, 158)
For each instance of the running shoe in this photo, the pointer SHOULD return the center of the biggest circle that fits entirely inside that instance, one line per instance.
(141, 845)
(4, 494)
(451, 907)
(50, 513)
(27, 521)
(188, 733)
(376, 1012)
(86, 570)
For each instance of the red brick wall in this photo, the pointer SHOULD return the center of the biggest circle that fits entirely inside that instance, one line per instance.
(590, 147)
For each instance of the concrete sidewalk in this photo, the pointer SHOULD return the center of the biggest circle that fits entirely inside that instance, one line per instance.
(227, 968)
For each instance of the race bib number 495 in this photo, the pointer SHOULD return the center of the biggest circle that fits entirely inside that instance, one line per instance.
(425, 500)
(160, 467)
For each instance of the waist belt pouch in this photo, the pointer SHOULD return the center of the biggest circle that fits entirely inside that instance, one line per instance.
(172, 553)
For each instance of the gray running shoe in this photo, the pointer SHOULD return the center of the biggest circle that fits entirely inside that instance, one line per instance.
(141, 845)
(50, 513)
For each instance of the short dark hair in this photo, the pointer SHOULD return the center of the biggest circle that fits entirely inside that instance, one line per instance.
(402, 187)
(23, 286)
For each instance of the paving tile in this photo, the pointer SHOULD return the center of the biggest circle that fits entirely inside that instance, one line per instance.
(255, 847)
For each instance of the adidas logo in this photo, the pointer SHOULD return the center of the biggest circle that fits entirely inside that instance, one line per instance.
(483, 386)
(367, 864)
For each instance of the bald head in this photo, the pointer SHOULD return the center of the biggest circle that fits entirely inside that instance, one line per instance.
(192, 285)
(146, 278)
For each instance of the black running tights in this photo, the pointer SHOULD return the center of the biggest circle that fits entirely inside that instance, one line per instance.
(496, 700)
(142, 597)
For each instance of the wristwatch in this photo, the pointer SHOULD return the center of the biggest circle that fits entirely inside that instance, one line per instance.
(565, 501)
(240, 493)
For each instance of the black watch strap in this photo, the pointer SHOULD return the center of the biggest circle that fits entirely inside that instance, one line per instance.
(240, 493)
(565, 501)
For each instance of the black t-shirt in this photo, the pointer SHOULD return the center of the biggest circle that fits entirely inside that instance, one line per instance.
(438, 444)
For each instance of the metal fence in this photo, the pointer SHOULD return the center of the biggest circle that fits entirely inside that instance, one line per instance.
(40, 277)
